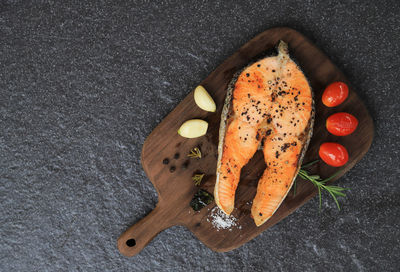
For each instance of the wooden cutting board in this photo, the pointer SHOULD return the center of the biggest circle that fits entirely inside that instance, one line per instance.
(176, 189)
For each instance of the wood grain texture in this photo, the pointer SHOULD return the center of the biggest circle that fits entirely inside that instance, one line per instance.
(175, 190)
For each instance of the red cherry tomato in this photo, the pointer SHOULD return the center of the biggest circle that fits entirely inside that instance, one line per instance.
(341, 124)
(333, 154)
(335, 94)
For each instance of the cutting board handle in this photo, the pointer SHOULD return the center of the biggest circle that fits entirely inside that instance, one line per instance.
(135, 238)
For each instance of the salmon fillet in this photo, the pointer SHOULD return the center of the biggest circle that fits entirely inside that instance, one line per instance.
(269, 105)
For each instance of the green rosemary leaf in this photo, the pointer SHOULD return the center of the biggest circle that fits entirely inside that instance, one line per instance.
(320, 198)
(309, 164)
(334, 198)
(331, 177)
(315, 177)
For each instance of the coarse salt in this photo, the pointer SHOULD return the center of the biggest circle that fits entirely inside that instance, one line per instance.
(222, 221)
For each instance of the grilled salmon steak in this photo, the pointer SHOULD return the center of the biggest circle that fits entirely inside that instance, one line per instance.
(268, 105)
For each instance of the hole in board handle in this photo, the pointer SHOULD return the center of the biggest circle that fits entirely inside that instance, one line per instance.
(131, 242)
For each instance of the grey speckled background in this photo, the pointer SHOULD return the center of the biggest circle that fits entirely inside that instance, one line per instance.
(82, 85)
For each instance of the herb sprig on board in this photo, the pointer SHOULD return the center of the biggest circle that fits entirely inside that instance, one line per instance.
(195, 153)
(197, 179)
(333, 190)
(201, 199)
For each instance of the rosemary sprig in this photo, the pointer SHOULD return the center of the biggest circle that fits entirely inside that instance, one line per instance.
(197, 179)
(334, 191)
(309, 164)
(195, 153)
(303, 167)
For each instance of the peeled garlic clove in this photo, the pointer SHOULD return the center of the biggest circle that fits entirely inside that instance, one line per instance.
(203, 99)
(193, 128)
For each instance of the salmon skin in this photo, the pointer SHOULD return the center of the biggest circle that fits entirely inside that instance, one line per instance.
(269, 105)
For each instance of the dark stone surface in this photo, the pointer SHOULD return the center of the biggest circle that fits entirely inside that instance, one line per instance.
(82, 85)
